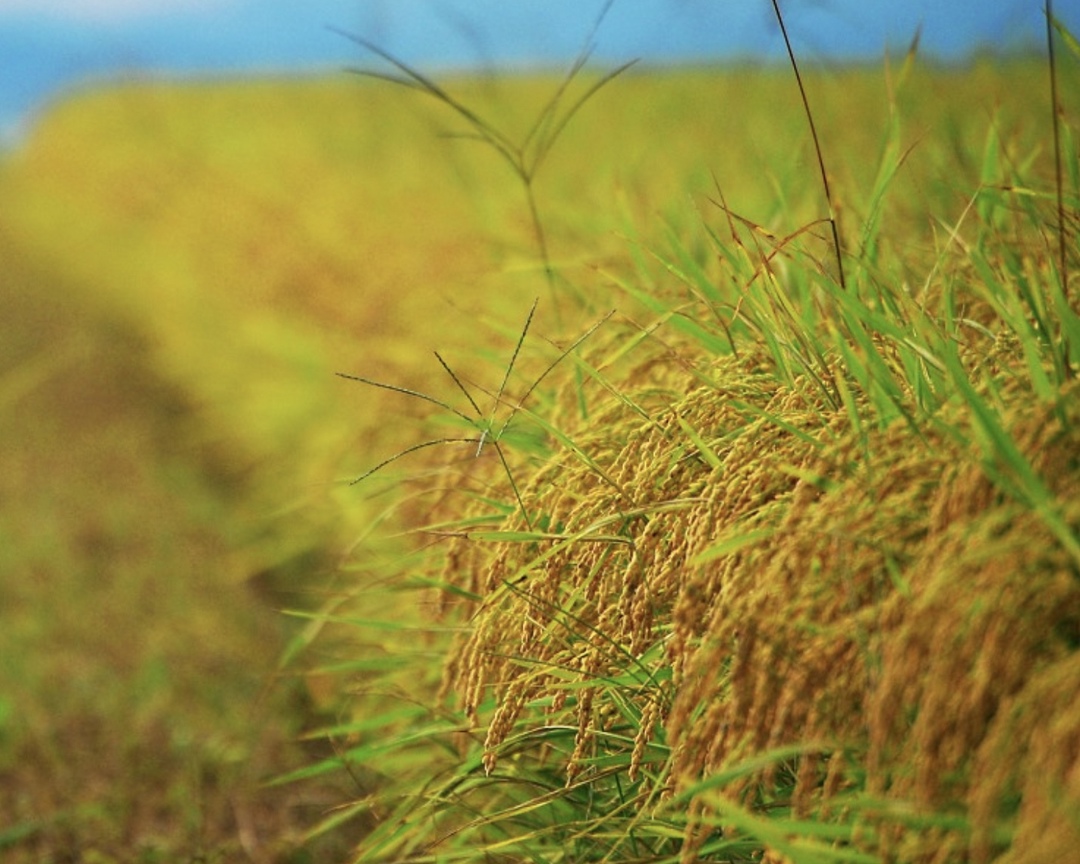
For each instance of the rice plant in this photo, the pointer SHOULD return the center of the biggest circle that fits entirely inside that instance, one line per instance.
(803, 584)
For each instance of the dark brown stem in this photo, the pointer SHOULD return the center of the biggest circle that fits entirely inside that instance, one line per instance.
(1058, 176)
(817, 147)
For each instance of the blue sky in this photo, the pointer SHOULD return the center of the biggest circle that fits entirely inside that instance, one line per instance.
(47, 46)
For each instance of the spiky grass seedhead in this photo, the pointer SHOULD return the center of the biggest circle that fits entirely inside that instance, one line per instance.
(524, 154)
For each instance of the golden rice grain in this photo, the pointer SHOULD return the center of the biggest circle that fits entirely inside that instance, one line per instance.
(879, 595)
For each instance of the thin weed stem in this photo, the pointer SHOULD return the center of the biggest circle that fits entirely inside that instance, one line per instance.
(1059, 181)
(817, 148)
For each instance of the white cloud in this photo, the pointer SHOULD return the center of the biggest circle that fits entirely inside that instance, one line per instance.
(105, 11)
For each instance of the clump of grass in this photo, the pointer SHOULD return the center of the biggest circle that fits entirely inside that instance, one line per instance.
(803, 583)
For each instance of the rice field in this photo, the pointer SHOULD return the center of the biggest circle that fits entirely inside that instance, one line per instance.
(708, 558)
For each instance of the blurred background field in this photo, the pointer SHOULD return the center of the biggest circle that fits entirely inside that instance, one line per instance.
(186, 266)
